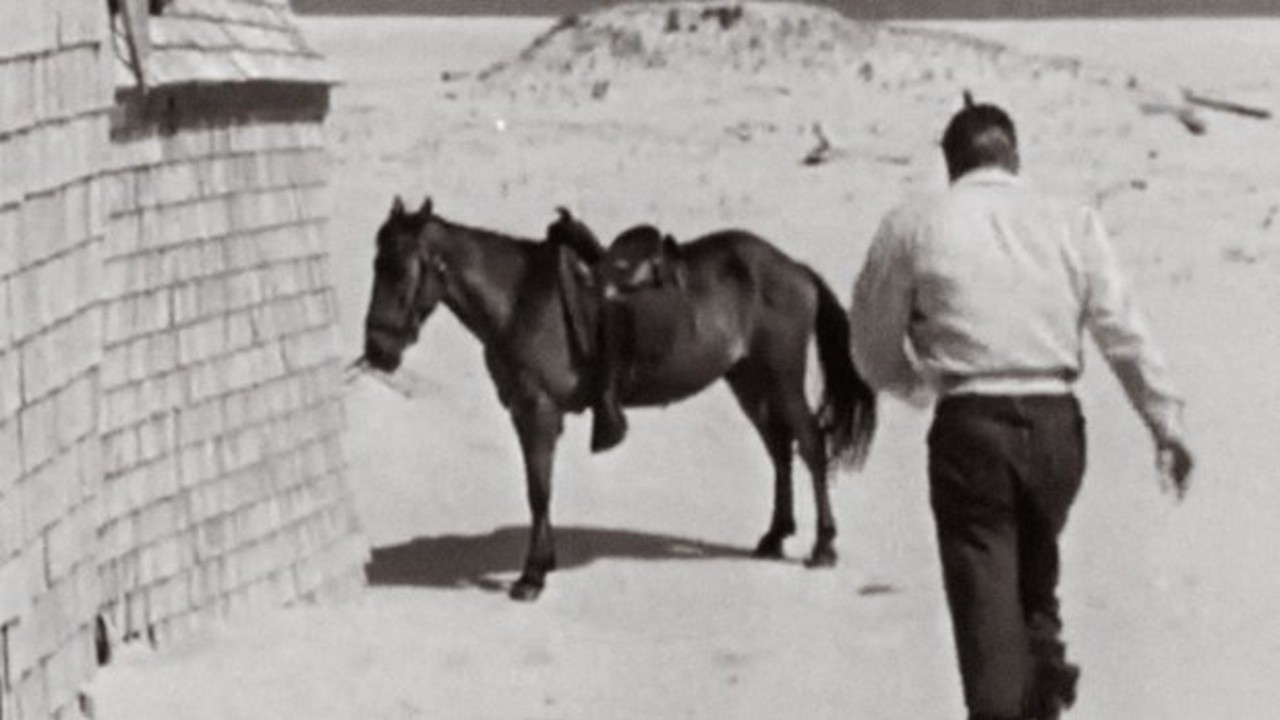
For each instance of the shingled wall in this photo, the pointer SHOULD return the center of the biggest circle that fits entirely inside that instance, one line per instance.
(221, 451)
(170, 416)
(223, 469)
(55, 100)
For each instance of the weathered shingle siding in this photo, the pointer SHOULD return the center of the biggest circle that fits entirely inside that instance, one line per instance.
(170, 409)
(55, 100)
(222, 415)
(223, 470)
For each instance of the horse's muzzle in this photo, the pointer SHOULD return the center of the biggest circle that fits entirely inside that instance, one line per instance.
(381, 354)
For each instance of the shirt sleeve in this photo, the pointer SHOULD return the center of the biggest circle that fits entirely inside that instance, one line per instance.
(881, 311)
(1121, 333)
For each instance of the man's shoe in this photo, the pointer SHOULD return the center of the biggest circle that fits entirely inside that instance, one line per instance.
(1057, 690)
(1069, 676)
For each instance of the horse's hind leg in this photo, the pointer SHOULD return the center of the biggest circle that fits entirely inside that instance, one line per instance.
(813, 452)
(752, 393)
(538, 424)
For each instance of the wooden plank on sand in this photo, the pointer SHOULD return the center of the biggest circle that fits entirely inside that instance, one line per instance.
(1227, 106)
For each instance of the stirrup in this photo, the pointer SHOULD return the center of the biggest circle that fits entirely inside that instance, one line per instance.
(608, 430)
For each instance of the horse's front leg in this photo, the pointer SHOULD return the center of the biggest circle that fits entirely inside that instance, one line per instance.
(538, 423)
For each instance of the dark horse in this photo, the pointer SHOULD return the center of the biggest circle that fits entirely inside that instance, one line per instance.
(755, 309)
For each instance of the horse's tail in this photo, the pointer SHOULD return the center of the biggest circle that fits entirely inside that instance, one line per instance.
(847, 413)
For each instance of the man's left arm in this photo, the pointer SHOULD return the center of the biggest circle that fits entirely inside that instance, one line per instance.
(1121, 333)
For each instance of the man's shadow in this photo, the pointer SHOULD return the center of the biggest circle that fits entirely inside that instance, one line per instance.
(473, 561)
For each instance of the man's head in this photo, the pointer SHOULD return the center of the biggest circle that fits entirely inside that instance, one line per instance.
(979, 136)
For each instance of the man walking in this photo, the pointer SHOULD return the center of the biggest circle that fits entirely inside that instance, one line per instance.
(981, 295)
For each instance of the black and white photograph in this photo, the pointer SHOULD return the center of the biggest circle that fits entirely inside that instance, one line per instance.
(639, 359)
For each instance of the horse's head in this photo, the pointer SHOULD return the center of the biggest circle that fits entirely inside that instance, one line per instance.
(408, 282)
(638, 258)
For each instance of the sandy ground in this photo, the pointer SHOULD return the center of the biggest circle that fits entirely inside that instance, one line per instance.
(655, 612)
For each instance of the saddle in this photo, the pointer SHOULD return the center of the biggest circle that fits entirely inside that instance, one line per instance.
(633, 292)
(644, 272)
(644, 258)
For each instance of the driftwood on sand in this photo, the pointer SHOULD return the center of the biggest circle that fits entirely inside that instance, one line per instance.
(1227, 106)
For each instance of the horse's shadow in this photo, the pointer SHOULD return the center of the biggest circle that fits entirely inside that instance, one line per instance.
(474, 561)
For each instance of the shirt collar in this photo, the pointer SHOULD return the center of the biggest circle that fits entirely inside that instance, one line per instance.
(992, 175)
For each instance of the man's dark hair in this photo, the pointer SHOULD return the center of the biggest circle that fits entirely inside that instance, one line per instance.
(979, 136)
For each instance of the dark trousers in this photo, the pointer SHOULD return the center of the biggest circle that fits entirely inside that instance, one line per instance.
(1003, 473)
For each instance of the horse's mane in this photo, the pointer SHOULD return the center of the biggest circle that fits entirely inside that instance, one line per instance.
(483, 234)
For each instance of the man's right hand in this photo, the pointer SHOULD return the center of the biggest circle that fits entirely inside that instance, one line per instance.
(1175, 462)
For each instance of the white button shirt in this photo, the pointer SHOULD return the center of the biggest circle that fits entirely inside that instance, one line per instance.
(988, 289)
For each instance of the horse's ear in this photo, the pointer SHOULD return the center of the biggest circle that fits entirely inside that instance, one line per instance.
(968, 99)
(397, 207)
(426, 209)
(670, 246)
(564, 215)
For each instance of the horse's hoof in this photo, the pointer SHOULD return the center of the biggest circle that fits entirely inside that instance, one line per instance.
(525, 590)
(770, 548)
(821, 558)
